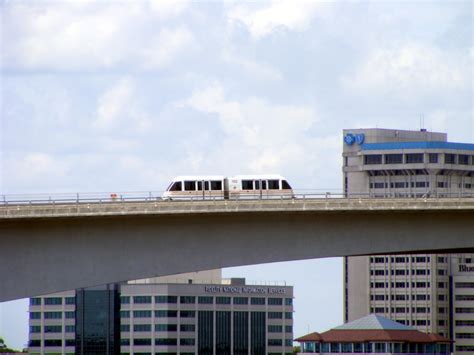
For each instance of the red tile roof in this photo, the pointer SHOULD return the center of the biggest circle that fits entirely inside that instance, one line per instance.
(371, 335)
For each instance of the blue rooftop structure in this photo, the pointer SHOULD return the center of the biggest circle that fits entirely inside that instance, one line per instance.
(373, 322)
(417, 145)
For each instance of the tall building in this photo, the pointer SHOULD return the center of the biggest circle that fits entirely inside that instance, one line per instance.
(183, 317)
(432, 292)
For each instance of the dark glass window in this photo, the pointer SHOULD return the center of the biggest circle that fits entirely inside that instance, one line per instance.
(463, 159)
(34, 343)
(393, 158)
(190, 186)
(166, 327)
(187, 299)
(124, 314)
(124, 327)
(205, 332)
(142, 314)
(433, 157)
(216, 185)
(275, 301)
(53, 315)
(53, 301)
(247, 184)
(241, 300)
(70, 300)
(187, 314)
(70, 342)
(35, 315)
(124, 341)
(285, 185)
(205, 300)
(142, 327)
(166, 314)
(35, 329)
(188, 327)
(35, 301)
(125, 299)
(176, 186)
(450, 158)
(275, 328)
(223, 334)
(257, 300)
(275, 315)
(141, 341)
(52, 329)
(288, 315)
(241, 325)
(414, 158)
(373, 159)
(186, 341)
(53, 342)
(275, 342)
(273, 184)
(166, 299)
(222, 300)
(142, 299)
(166, 341)
(257, 333)
(288, 329)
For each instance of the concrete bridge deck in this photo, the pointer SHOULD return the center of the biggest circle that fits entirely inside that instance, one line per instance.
(46, 248)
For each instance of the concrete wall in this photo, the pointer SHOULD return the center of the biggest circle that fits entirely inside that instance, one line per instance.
(51, 254)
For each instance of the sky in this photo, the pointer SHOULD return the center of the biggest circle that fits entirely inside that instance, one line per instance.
(115, 96)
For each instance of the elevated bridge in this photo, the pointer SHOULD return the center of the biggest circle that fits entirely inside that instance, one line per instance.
(50, 247)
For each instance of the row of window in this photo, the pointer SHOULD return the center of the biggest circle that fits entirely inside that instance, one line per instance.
(464, 297)
(399, 185)
(50, 301)
(404, 310)
(206, 300)
(422, 297)
(187, 342)
(183, 328)
(464, 284)
(402, 272)
(412, 348)
(168, 313)
(404, 284)
(403, 259)
(417, 158)
(465, 335)
(52, 342)
(464, 310)
(465, 323)
(53, 315)
(53, 329)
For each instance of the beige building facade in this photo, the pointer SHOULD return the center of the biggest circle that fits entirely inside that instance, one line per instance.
(415, 290)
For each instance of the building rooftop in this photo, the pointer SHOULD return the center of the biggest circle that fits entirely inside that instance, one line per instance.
(372, 322)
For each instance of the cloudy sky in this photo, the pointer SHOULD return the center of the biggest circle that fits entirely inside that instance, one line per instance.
(122, 96)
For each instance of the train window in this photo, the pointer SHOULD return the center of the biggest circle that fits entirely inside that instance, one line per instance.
(189, 185)
(216, 185)
(264, 185)
(247, 184)
(206, 185)
(199, 183)
(285, 185)
(273, 184)
(176, 186)
(257, 185)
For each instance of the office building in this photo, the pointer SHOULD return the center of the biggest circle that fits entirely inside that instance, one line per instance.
(374, 334)
(183, 317)
(426, 291)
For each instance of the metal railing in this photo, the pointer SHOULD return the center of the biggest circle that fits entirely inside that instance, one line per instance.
(157, 196)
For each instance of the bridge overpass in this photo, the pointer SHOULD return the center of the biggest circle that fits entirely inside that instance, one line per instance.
(51, 247)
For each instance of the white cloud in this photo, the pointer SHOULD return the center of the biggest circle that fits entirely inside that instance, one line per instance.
(292, 15)
(410, 70)
(259, 137)
(117, 108)
(255, 69)
(91, 35)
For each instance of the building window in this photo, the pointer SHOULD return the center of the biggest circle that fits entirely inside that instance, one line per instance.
(288, 315)
(450, 158)
(125, 299)
(142, 314)
(141, 341)
(70, 314)
(142, 299)
(166, 327)
(187, 314)
(275, 315)
(275, 342)
(464, 284)
(35, 315)
(241, 300)
(465, 323)
(166, 299)
(70, 342)
(35, 301)
(393, 158)
(187, 328)
(205, 300)
(124, 341)
(35, 329)
(34, 343)
(288, 301)
(465, 335)
(186, 341)
(124, 327)
(373, 159)
(49, 301)
(166, 313)
(288, 329)
(414, 158)
(275, 301)
(464, 310)
(187, 299)
(70, 300)
(53, 343)
(52, 329)
(464, 297)
(463, 159)
(142, 327)
(53, 315)
(433, 158)
(124, 314)
(257, 301)
(275, 328)
(222, 300)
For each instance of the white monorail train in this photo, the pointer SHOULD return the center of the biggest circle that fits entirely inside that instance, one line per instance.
(220, 187)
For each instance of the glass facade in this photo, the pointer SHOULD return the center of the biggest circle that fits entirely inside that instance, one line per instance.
(97, 321)
(257, 335)
(205, 332)
(223, 332)
(241, 330)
